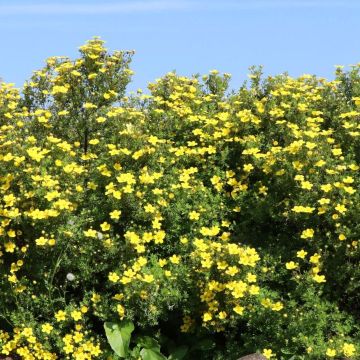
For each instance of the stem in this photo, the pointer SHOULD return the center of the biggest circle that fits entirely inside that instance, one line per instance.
(57, 264)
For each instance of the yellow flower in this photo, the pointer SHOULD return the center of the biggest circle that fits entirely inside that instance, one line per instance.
(114, 277)
(248, 167)
(340, 208)
(277, 306)
(254, 290)
(162, 262)
(303, 209)
(41, 241)
(121, 311)
(348, 349)
(336, 152)
(89, 105)
(348, 180)
(291, 265)
(175, 259)
(27, 332)
(13, 279)
(184, 240)
(148, 278)
(95, 297)
(324, 201)
(11, 233)
(76, 315)
(105, 226)
(94, 141)
(60, 315)
(319, 278)
(326, 187)
(320, 163)
(307, 233)
(77, 337)
(68, 348)
(239, 309)
(267, 353)
(301, 254)
(251, 277)
(357, 100)
(100, 119)
(10, 247)
(59, 90)
(231, 270)
(222, 315)
(306, 185)
(90, 233)
(193, 215)
(115, 215)
(342, 237)
(149, 208)
(118, 296)
(46, 328)
(207, 317)
(349, 190)
(330, 352)
(213, 231)
(314, 259)
(167, 273)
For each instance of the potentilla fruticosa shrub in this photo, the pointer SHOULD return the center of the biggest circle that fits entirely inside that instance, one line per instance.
(224, 219)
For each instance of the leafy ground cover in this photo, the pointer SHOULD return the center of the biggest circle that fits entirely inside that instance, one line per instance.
(192, 222)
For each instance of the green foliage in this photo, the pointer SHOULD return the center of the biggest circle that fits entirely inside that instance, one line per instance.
(205, 224)
(118, 335)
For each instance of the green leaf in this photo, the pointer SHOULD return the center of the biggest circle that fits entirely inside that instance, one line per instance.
(150, 354)
(287, 352)
(118, 335)
(179, 353)
(147, 342)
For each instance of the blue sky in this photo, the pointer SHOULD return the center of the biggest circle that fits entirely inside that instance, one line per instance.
(309, 36)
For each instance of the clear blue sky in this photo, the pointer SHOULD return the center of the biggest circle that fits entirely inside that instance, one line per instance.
(309, 36)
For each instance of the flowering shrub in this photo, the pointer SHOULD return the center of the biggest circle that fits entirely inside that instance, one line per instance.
(225, 223)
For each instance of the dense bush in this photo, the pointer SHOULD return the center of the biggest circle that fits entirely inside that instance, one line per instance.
(225, 222)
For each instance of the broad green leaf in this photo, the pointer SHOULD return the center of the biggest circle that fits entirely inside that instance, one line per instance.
(179, 353)
(149, 354)
(118, 335)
